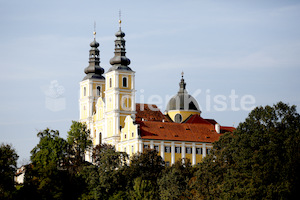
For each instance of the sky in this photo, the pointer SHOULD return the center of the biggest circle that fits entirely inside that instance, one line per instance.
(235, 55)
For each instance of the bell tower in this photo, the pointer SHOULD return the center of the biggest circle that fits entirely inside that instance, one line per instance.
(92, 86)
(119, 92)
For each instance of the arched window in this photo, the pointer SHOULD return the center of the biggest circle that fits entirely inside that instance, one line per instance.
(125, 82)
(98, 90)
(178, 118)
(110, 82)
(84, 91)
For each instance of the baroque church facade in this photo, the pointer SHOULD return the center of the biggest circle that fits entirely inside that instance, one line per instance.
(108, 107)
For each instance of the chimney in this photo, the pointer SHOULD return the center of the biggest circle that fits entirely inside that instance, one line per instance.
(217, 128)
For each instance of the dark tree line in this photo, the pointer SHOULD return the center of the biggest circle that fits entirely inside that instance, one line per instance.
(260, 160)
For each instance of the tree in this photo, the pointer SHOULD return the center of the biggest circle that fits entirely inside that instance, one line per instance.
(106, 178)
(147, 165)
(260, 160)
(8, 167)
(51, 150)
(174, 183)
(145, 168)
(47, 177)
(80, 141)
(143, 190)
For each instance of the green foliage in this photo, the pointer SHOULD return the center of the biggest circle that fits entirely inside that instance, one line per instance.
(106, 177)
(260, 160)
(48, 176)
(107, 158)
(8, 166)
(147, 165)
(80, 141)
(174, 183)
(143, 190)
(51, 151)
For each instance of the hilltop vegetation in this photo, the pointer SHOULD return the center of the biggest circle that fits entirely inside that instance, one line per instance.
(259, 160)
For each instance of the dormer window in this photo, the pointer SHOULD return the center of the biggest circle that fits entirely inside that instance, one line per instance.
(125, 82)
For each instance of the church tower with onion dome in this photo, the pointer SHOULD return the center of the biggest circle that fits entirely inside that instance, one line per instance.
(108, 107)
(119, 92)
(92, 86)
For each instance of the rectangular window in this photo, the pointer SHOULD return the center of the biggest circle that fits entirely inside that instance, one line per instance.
(198, 150)
(124, 149)
(177, 149)
(168, 149)
(132, 149)
(208, 151)
(189, 150)
(156, 148)
(146, 146)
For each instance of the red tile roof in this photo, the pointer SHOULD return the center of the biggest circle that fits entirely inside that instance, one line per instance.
(196, 119)
(178, 132)
(149, 112)
(225, 129)
(194, 129)
(212, 121)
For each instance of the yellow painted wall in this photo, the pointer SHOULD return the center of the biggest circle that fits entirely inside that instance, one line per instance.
(198, 158)
(184, 114)
(168, 157)
(189, 156)
(177, 156)
(125, 102)
(122, 121)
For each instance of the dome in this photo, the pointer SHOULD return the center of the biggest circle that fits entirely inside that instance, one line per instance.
(94, 44)
(183, 101)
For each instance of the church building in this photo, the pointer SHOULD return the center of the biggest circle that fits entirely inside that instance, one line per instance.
(108, 107)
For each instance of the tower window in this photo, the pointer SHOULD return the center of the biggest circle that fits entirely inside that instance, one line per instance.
(84, 91)
(98, 90)
(178, 118)
(110, 82)
(132, 149)
(125, 84)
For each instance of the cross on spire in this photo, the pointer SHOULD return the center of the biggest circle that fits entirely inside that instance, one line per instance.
(94, 30)
(120, 15)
